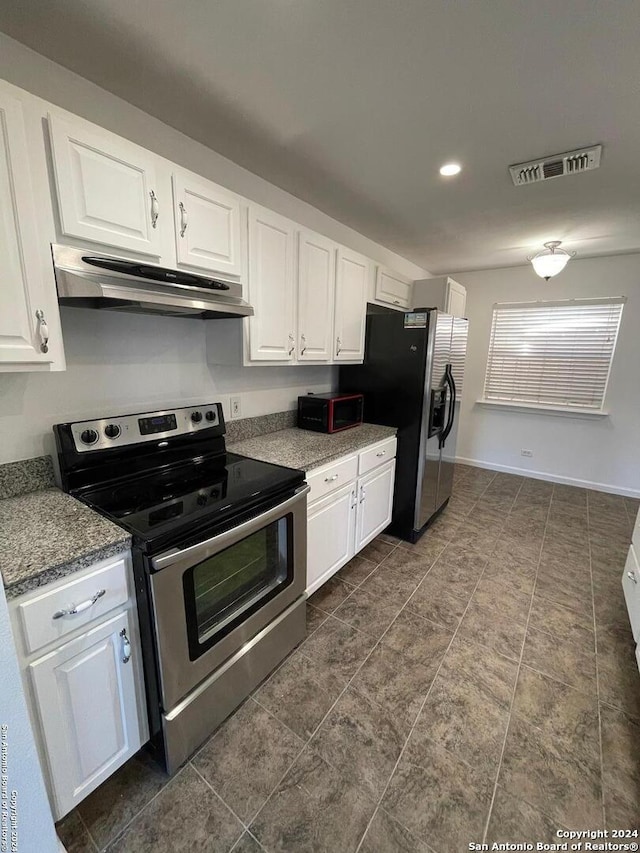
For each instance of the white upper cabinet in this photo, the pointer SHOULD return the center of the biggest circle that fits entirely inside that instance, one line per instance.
(272, 335)
(207, 225)
(316, 294)
(443, 293)
(27, 300)
(393, 288)
(352, 285)
(106, 187)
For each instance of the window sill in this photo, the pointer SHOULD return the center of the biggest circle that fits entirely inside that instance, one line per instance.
(541, 409)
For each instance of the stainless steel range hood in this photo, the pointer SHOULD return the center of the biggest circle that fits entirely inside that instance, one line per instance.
(90, 279)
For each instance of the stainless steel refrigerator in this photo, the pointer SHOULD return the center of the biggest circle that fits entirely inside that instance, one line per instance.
(411, 376)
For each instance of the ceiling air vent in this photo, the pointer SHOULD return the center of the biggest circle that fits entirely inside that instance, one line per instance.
(582, 160)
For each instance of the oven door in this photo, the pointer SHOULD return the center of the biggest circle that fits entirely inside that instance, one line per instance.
(213, 597)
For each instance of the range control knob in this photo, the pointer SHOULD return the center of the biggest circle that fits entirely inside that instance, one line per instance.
(196, 417)
(211, 415)
(112, 430)
(89, 436)
(201, 500)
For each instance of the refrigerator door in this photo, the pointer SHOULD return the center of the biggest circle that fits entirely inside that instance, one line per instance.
(428, 492)
(457, 360)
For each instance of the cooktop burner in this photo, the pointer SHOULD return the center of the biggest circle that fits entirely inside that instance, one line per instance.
(164, 475)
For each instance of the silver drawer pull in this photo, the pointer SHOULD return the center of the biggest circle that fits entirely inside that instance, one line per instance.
(79, 608)
(381, 453)
(126, 646)
(331, 479)
(632, 577)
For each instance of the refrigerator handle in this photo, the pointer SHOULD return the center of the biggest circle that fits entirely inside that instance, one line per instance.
(448, 375)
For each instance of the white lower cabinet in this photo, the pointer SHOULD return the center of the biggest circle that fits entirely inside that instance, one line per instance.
(348, 515)
(330, 535)
(83, 677)
(86, 700)
(375, 502)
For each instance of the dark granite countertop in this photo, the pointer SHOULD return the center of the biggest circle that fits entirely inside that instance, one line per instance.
(46, 535)
(303, 449)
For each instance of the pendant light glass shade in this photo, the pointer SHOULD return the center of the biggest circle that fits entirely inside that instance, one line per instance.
(551, 261)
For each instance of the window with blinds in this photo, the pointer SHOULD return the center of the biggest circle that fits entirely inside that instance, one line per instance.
(555, 354)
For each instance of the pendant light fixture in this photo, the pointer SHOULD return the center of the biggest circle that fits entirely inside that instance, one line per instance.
(551, 261)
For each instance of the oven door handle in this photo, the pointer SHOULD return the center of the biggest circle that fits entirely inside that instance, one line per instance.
(196, 553)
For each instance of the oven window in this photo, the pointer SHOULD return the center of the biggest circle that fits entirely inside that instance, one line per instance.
(346, 413)
(229, 586)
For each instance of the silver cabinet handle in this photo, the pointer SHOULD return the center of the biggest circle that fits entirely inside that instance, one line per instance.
(354, 499)
(632, 577)
(303, 342)
(126, 646)
(292, 344)
(184, 221)
(331, 479)
(338, 346)
(363, 494)
(43, 331)
(84, 605)
(155, 209)
(381, 453)
(396, 302)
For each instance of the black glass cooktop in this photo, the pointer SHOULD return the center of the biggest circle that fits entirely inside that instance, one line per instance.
(183, 498)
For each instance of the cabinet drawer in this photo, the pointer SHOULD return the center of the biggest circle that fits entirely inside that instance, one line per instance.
(332, 476)
(376, 455)
(39, 627)
(631, 587)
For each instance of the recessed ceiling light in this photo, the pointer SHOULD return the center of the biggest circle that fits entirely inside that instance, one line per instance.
(450, 169)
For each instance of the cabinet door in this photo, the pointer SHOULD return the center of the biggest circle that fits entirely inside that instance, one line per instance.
(25, 304)
(330, 536)
(271, 289)
(106, 188)
(86, 699)
(207, 225)
(455, 298)
(375, 502)
(352, 280)
(393, 288)
(316, 293)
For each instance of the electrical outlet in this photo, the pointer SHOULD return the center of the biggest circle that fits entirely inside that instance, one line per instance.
(526, 453)
(236, 408)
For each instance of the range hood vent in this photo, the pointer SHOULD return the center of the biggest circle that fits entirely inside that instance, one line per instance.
(87, 279)
(570, 163)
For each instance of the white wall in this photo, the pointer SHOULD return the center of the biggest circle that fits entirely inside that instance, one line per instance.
(598, 452)
(118, 364)
(34, 821)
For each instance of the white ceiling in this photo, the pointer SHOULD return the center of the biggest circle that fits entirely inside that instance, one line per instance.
(353, 105)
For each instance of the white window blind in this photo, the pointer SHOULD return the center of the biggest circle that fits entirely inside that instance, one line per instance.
(459, 352)
(553, 353)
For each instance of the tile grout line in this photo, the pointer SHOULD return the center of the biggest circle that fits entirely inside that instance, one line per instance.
(91, 838)
(515, 683)
(424, 701)
(595, 643)
(122, 831)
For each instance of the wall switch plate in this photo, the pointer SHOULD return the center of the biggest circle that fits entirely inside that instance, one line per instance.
(522, 452)
(235, 407)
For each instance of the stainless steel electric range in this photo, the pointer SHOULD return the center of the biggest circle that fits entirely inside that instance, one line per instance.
(219, 557)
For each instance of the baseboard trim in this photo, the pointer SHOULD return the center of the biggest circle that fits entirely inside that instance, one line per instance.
(552, 478)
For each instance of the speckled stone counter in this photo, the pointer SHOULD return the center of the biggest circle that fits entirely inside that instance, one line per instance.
(300, 448)
(47, 534)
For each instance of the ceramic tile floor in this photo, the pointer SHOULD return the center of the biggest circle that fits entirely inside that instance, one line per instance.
(481, 684)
